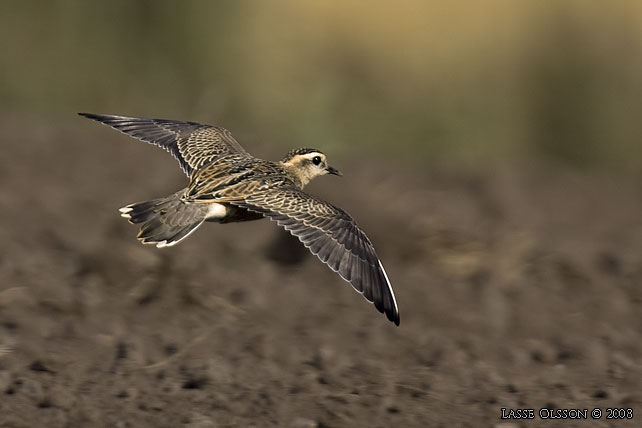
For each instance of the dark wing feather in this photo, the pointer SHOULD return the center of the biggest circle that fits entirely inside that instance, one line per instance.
(193, 144)
(334, 237)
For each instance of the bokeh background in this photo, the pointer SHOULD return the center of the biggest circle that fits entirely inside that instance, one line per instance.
(491, 150)
(417, 80)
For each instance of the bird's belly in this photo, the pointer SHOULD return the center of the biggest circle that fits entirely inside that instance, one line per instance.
(225, 213)
(216, 212)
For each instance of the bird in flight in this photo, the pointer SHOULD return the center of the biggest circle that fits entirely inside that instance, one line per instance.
(227, 184)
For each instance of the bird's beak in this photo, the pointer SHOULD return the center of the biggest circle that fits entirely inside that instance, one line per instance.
(333, 171)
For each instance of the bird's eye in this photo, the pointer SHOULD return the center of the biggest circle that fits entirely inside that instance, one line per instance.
(316, 160)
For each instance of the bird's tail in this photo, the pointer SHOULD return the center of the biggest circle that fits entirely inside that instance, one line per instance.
(165, 221)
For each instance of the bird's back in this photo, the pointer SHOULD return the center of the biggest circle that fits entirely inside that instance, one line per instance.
(235, 177)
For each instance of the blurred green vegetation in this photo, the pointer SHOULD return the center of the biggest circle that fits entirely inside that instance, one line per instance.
(429, 80)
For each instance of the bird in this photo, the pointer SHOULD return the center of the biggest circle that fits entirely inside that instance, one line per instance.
(227, 184)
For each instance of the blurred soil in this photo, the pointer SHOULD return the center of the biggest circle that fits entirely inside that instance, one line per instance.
(518, 288)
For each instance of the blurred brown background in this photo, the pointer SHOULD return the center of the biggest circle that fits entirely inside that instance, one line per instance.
(491, 150)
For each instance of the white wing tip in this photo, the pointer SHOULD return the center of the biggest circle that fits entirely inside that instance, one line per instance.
(164, 244)
(392, 293)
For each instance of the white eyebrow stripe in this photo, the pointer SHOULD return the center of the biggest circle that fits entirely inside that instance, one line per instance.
(312, 155)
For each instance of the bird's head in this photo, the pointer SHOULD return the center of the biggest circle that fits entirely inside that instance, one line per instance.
(307, 164)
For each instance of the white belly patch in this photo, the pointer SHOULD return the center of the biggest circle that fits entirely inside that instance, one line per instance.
(215, 211)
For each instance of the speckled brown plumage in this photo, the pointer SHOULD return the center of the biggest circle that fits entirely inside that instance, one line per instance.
(227, 184)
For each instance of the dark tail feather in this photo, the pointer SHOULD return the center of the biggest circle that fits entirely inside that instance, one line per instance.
(165, 221)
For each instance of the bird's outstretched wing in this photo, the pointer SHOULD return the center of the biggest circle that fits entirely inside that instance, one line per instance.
(333, 236)
(193, 144)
